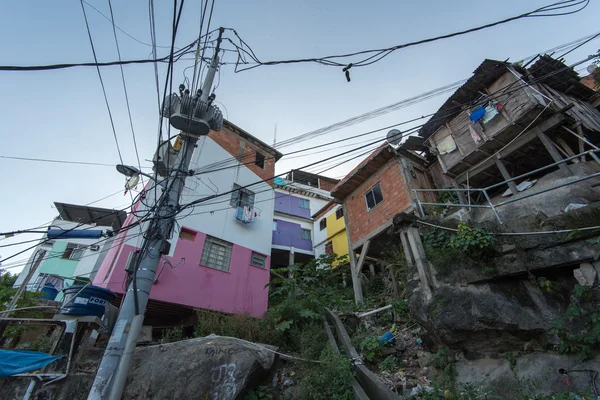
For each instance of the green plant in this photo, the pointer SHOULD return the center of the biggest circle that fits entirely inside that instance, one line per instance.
(172, 334)
(331, 378)
(512, 360)
(583, 333)
(401, 308)
(370, 348)
(441, 361)
(545, 284)
(260, 393)
(470, 240)
(448, 197)
(595, 241)
(43, 344)
(27, 299)
(389, 364)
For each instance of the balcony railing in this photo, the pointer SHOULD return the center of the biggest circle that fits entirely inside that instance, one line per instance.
(484, 191)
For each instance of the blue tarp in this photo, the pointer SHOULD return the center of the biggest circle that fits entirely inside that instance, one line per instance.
(14, 362)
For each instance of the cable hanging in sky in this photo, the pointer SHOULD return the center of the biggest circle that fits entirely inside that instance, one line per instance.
(372, 56)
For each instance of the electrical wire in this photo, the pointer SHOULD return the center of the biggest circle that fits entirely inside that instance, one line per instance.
(122, 31)
(375, 55)
(112, 20)
(101, 81)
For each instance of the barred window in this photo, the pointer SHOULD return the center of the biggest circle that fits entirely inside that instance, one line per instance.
(216, 254)
(258, 260)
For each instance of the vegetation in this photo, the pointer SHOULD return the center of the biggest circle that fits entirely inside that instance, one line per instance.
(172, 335)
(580, 332)
(260, 393)
(370, 348)
(27, 299)
(389, 364)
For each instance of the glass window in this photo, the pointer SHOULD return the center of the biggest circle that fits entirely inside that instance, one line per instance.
(373, 197)
(73, 252)
(305, 203)
(305, 234)
(216, 254)
(339, 213)
(241, 197)
(323, 224)
(329, 248)
(258, 260)
(274, 226)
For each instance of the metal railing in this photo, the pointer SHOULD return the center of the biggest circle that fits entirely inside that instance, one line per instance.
(484, 191)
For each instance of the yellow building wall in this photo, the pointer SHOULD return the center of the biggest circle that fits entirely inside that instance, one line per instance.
(336, 234)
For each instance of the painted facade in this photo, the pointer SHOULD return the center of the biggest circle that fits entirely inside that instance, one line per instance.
(295, 203)
(65, 261)
(210, 264)
(332, 239)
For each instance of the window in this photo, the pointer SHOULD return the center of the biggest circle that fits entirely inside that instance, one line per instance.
(73, 252)
(323, 224)
(274, 226)
(329, 248)
(260, 160)
(305, 234)
(305, 203)
(187, 234)
(258, 260)
(241, 197)
(216, 254)
(339, 213)
(373, 197)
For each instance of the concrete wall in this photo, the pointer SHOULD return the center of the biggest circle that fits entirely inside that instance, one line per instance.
(335, 232)
(53, 262)
(290, 204)
(395, 200)
(288, 234)
(240, 289)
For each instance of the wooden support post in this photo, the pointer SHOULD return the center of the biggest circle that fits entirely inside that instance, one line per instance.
(551, 149)
(363, 255)
(420, 258)
(506, 175)
(461, 195)
(358, 294)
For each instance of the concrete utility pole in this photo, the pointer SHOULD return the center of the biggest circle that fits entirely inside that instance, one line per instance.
(116, 362)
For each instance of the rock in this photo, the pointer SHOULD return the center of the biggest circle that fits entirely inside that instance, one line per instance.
(533, 374)
(581, 279)
(399, 346)
(424, 358)
(288, 382)
(209, 367)
(508, 248)
(485, 319)
(588, 272)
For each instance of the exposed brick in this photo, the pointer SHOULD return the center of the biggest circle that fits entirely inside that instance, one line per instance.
(395, 200)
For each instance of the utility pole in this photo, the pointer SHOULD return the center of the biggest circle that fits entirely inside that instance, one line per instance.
(116, 362)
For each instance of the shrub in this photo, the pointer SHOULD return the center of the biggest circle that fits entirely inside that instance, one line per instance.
(172, 335)
(329, 379)
(390, 364)
(370, 348)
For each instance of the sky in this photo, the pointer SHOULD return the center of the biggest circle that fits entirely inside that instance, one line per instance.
(62, 114)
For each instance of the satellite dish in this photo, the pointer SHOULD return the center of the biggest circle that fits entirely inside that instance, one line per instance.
(394, 138)
(592, 68)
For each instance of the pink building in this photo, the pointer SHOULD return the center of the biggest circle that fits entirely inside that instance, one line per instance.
(220, 251)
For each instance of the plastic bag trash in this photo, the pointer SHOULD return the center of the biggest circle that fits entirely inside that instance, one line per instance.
(387, 337)
(574, 206)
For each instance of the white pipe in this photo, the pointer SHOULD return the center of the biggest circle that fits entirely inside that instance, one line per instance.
(374, 311)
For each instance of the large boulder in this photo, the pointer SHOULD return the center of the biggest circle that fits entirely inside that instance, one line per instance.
(203, 368)
(485, 319)
(529, 374)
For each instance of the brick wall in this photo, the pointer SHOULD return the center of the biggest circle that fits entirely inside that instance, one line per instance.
(236, 146)
(327, 185)
(325, 210)
(395, 200)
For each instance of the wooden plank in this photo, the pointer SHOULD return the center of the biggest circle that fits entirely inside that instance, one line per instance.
(551, 149)
(358, 294)
(361, 259)
(506, 176)
(568, 151)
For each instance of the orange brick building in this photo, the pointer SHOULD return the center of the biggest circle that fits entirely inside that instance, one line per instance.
(372, 194)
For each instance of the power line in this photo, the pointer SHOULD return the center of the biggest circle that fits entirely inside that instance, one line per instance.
(375, 55)
(112, 20)
(122, 31)
(57, 161)
(112, 124)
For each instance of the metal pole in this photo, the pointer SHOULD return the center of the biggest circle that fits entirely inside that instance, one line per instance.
(114, 367)
(487, 196)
